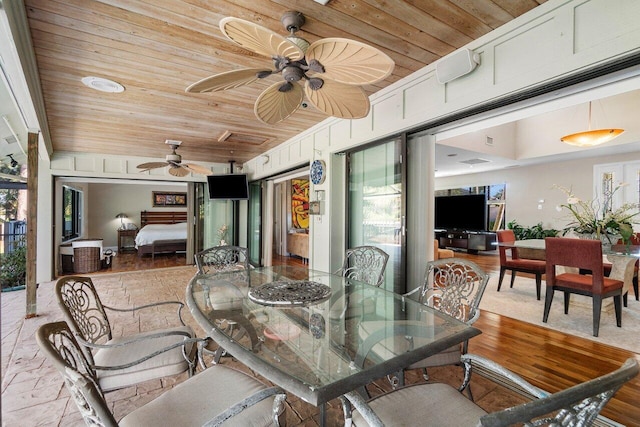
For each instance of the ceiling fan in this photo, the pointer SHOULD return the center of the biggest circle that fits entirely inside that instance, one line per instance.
(174, 162)
(332, 69)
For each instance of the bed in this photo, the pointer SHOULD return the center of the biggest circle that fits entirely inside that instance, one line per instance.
(162, 232)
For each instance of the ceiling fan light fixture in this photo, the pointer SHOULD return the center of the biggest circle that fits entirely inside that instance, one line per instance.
(591, 138)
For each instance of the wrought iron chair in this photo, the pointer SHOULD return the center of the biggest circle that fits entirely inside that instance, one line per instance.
(440, 404)
(365, 264)
(130, 359)
(516, 264)
(223, 259)
(245, 400)
(455, 287)
(580, 254)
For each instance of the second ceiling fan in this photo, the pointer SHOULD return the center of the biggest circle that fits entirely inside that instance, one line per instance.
(332, 70)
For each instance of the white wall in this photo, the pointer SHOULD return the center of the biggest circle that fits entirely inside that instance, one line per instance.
(527, 185)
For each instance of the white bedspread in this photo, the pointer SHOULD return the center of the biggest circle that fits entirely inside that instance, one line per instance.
(152, 232)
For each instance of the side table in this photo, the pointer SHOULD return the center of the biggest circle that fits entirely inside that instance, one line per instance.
(122, 237)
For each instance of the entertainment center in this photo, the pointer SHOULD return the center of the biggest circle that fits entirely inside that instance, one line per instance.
(472, 241)
(461, 222)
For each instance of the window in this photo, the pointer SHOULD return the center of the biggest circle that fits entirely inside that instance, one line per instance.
(71, 213)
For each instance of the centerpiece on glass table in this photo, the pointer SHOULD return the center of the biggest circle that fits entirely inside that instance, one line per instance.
(597, 219)
(222, 235)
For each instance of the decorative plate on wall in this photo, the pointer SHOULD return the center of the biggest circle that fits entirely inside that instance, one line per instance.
(317, 172)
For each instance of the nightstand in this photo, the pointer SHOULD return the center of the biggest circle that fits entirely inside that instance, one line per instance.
(123, 235)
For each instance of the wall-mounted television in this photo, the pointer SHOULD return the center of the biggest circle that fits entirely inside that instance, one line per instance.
(228, 187)
(463, 212)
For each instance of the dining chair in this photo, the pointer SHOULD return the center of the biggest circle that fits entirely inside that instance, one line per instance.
(130, 359)
(509, 260)
(365, 264)
(438, 404)
(223, 259)
(455, 287)
(582, 254)
(197, 401)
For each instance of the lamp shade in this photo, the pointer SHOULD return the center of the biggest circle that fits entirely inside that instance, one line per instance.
(591, 138)
(122, 215)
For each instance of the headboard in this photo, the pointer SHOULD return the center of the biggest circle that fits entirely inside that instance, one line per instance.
(162, 217)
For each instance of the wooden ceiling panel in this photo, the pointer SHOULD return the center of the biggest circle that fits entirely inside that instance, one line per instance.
(156, 49)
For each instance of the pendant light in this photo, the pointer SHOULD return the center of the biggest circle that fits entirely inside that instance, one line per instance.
(590, 137)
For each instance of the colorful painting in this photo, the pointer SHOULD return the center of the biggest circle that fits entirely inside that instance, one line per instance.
(162, 199)
(300, 203)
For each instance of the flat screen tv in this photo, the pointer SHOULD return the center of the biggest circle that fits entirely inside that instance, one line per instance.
(467, 212)
(228, 187)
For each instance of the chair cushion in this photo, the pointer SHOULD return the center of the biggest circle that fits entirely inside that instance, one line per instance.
(201, 398)
(393, 345)
(168, 363)
(424, 405)
(584, 282)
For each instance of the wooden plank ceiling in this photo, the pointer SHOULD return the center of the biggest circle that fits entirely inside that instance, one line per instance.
(157, 48)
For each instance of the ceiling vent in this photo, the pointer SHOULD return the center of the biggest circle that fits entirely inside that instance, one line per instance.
(244, 138)
(10, 139)
(476, 161)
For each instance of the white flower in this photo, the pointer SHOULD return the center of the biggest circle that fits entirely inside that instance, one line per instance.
(573, 201)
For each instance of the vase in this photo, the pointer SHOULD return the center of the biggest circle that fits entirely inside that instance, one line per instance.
(606, 239)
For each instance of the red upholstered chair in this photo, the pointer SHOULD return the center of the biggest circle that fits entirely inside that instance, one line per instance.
(582, 254)
(509, 260)
(633, 241)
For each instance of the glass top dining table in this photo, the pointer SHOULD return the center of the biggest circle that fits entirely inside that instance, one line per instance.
(317, 335)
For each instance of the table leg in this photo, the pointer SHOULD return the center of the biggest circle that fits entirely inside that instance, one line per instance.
(622, 268)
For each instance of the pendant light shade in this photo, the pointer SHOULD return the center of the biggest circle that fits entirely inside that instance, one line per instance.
(590, 137)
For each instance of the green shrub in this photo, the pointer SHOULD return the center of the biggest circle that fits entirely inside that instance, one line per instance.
(535, 232)
(13, 268)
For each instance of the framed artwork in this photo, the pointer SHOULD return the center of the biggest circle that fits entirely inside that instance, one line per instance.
(164, 199)
(300, 203)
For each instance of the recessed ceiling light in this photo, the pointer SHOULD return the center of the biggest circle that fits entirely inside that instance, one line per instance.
(103, 85)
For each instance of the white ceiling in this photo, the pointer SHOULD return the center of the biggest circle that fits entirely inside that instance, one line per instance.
(535, 139)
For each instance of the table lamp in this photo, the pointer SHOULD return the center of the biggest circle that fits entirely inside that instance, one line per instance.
(122, 216)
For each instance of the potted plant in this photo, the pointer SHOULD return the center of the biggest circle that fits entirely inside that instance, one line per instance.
(598, 220)
(535, 232)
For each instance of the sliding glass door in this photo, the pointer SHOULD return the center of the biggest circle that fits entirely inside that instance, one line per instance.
(376, 206)
(254, 242)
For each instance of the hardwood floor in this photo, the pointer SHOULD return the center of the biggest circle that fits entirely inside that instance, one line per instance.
(549, 359)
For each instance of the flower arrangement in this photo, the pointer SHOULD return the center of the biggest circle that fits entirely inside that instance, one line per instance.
(222, 234)
(598, 218)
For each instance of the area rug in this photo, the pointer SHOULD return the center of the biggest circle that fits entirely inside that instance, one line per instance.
(520, 303)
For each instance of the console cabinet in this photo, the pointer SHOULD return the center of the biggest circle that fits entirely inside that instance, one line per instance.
(472, 241)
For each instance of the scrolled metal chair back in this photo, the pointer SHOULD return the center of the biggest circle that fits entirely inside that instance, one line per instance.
(83, 310)
(365, 264)
(455, 287)
(222, 259)
(60, 346)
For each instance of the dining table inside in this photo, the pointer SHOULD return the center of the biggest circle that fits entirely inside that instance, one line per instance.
(621, 257)
(315, 334)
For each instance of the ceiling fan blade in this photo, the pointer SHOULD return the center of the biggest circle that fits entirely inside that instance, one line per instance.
(192, 167)
(227, 80)
(178, 171)
(350, 62)
(259, 39)
(339, 100)
(151, 165)
(274, 105)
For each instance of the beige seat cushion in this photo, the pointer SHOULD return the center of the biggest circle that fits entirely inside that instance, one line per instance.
(168, 363)
(201, 398)
(424, 405)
